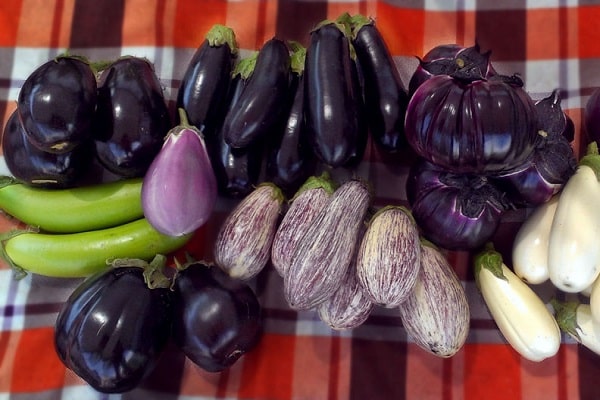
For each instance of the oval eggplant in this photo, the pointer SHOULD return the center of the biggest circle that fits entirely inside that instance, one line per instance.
(35, 167)
(334, 119)
(217, 318)
(131, 118)
(262, 102)
(109, 340)
(56, 104)
(203, 89)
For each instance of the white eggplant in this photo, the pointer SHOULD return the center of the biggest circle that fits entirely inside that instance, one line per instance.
(530, 248)
(595, 300)
(574, 253)
(576, 320)
(522, 317)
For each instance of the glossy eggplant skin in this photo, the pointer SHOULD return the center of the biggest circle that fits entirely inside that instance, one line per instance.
(56, 104)
(35, 167)
(113, 328)
(385, 97)
(236, 170)
(333, 115)
(131, 118)
(203, 89)
(217, 318)
(261, 104)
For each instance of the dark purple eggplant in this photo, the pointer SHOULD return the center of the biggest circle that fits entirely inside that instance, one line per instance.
(552, 118)
(591, 116)
(35, 167)
(113, 328)
(386, 98)
(290, 160)
(56, 104)
(217, 318)
(203, 89)
(237, 170)
(334, 118)
(131, 118)
(262, 103)
(454, 211)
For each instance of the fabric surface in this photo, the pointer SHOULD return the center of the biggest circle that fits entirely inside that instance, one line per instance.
(550, 43)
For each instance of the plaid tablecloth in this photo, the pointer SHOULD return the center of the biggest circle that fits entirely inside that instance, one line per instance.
(550, 43)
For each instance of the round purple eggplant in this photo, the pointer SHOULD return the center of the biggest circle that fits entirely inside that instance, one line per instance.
(56, 104)
(131, 118)
(217, 318)
(35, 167)
(113, 328)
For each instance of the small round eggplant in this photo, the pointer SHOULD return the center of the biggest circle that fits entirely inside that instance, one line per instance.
(131, 118)
(113, 328)
(56, 104)
(35, 167)
(217, 318)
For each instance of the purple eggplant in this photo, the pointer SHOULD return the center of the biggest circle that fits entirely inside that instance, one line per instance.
(217, 319)
(454, 211)
(333, 99)
(56, 104)
(203, 89)
(131, 117)
(591, 116)
(262, 102)
(114, 326)
(385, 97)
(36, 167)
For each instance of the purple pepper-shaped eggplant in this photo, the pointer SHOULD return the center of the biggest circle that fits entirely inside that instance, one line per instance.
(262, 102)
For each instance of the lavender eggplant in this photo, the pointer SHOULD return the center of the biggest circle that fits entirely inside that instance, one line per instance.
(179, 189)
(304, 207)
(56, 104)
(261, 104)
(290, 159)
(131, 118)
(436, 315)
(387, 262)
(203, 89)
(243, 244)
(454, 211)
(386, 98)
(324, 253)
(334, 119)
(36, 167)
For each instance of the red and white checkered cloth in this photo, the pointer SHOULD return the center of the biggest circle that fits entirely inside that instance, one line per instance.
(550, 43)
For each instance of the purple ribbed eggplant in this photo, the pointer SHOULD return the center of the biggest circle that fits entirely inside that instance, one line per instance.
(179, 190)
(243, 244)
(304, 207)
(325, 251)
(387, 262)
(436, 314)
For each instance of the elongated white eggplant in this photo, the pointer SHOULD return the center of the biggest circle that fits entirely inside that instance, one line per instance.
(521, 315)
(576, 320)
(594, 295)
(530, 249)
(436, 314)
(574, 253)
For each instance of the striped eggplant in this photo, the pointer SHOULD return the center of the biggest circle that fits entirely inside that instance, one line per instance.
(306, 204)
(243, 243)
(324, 253)
(388, 259)
(436, 315)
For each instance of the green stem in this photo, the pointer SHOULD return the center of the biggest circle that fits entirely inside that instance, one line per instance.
(489, 259)
(322, 181)
(245, 67)
(6, 180)
(565, 313)
(297, 57)
(591, 159)
(220, 35)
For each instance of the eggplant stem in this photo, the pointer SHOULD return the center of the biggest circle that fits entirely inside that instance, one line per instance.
(220, 35)
(565, 313)
(491, 260)
(322, 181)
(591, 159)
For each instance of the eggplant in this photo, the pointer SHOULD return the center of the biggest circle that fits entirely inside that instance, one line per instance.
(131, 117)
(334, 118)
(386, 98)
(56, 104)
(36, 167)
(203, 89)
(290, 160)
(261, 104)
(217, 319)
(454, 211)
(107, 339)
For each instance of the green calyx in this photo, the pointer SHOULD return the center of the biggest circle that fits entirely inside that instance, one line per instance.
(489, 259)
(591, 159)
(245, 67)
(297, 57)
(18, 271)
(358, 21)
(220, 35)
(154, 275)
(322, 181)
(565, 313)
(6, 180)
